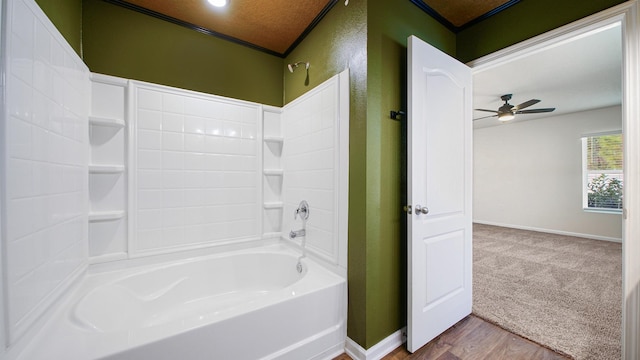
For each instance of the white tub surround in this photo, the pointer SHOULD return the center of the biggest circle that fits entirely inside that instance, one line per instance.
(44, 166)
(109, 175)
(316, 168)
(203, 308)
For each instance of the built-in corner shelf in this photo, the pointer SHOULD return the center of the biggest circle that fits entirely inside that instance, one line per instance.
(273, 172)
(273, 139)
(106, 169)
(273, 205)
(102, 121)
(106, 215)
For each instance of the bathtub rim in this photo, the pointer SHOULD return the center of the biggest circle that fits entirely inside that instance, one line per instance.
(60, 317)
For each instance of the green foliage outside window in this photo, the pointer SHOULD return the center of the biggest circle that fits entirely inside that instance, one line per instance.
(605, 192)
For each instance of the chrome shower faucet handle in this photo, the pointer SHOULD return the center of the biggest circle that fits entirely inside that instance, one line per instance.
(302, 210)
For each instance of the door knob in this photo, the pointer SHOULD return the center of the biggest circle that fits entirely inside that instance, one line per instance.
(421, 210)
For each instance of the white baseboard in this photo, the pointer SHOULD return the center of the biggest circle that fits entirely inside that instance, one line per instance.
(550, 231)
(377, 351)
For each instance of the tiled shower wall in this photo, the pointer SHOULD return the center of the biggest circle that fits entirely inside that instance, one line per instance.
(44, 164)
(197, 169)
(314, 135)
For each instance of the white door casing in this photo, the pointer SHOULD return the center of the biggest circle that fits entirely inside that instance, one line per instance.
(440, 179)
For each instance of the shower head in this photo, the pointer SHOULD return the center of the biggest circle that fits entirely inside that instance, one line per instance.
(292, 67)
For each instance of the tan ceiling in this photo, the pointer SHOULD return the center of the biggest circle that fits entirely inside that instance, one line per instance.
(461, 12)
(269, 24)
(276, 26)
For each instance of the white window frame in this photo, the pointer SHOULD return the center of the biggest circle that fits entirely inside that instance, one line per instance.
(586, 173)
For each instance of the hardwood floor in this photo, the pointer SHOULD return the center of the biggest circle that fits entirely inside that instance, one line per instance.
(473, 339)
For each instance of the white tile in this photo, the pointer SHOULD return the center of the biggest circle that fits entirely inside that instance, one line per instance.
(232, 129)
(20, 179)
(41, 110)
(148, 239)
(193, 216)
(194, 143)
(193, 234)
(195, 107)
(149, 199)
(23, 22)
(173, 179)
(22, 259)
(149, 119)
(214, 127)
(173, 103)
(149, 139)
(19, 99)
(149, 99)
(172, 217)
(149, 219)
(20, 217)
(149, 179)
(172, 160)
(149, 159)
(22, 59)
(173, 198)
(194, 125)
(57, 55)
(173, 236)
(22, 298)
(59, 91)
(194, 179)
(193, 197)
(41, 178)
(249, 131)
(172, 122)
(194, 161)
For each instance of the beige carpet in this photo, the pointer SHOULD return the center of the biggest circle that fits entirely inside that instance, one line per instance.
(562, 292)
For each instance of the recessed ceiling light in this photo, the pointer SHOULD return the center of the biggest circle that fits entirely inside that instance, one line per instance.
(218, 3)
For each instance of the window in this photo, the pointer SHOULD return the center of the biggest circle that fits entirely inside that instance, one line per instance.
(602, 172)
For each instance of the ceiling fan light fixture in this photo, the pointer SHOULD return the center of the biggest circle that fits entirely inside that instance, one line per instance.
(506, 116)
(218, 3)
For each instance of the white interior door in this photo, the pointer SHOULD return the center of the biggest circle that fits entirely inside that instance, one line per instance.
(439, 192)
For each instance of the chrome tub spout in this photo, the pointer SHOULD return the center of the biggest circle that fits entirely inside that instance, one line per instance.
(297, 233)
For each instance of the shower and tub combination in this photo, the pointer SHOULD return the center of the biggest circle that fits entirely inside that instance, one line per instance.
(168, 223)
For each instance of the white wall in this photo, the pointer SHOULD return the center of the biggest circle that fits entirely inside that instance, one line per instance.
(44, 165)
(528, 175)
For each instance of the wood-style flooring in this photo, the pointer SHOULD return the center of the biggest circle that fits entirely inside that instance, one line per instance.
(474, 339)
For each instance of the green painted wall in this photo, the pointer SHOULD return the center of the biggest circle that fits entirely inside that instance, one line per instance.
(522, 21)
(369, 38)
(339, 42)
(390, 22)
(125, 43)
(66, 15)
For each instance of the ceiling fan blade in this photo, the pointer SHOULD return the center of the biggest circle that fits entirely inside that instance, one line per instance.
(525, 104)
(493, 111)
(484, 117)
(535, 111)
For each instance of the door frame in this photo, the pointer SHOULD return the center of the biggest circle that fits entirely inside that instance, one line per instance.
(627, 14)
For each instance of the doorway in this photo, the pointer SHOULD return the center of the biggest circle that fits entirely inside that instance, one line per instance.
(622, 15)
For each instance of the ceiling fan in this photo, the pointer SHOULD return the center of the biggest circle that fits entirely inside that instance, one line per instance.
(507, 111)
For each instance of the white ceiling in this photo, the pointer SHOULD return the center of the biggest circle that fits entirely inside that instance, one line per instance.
(583, 74)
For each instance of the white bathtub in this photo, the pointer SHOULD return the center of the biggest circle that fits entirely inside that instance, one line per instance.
(249, 304)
